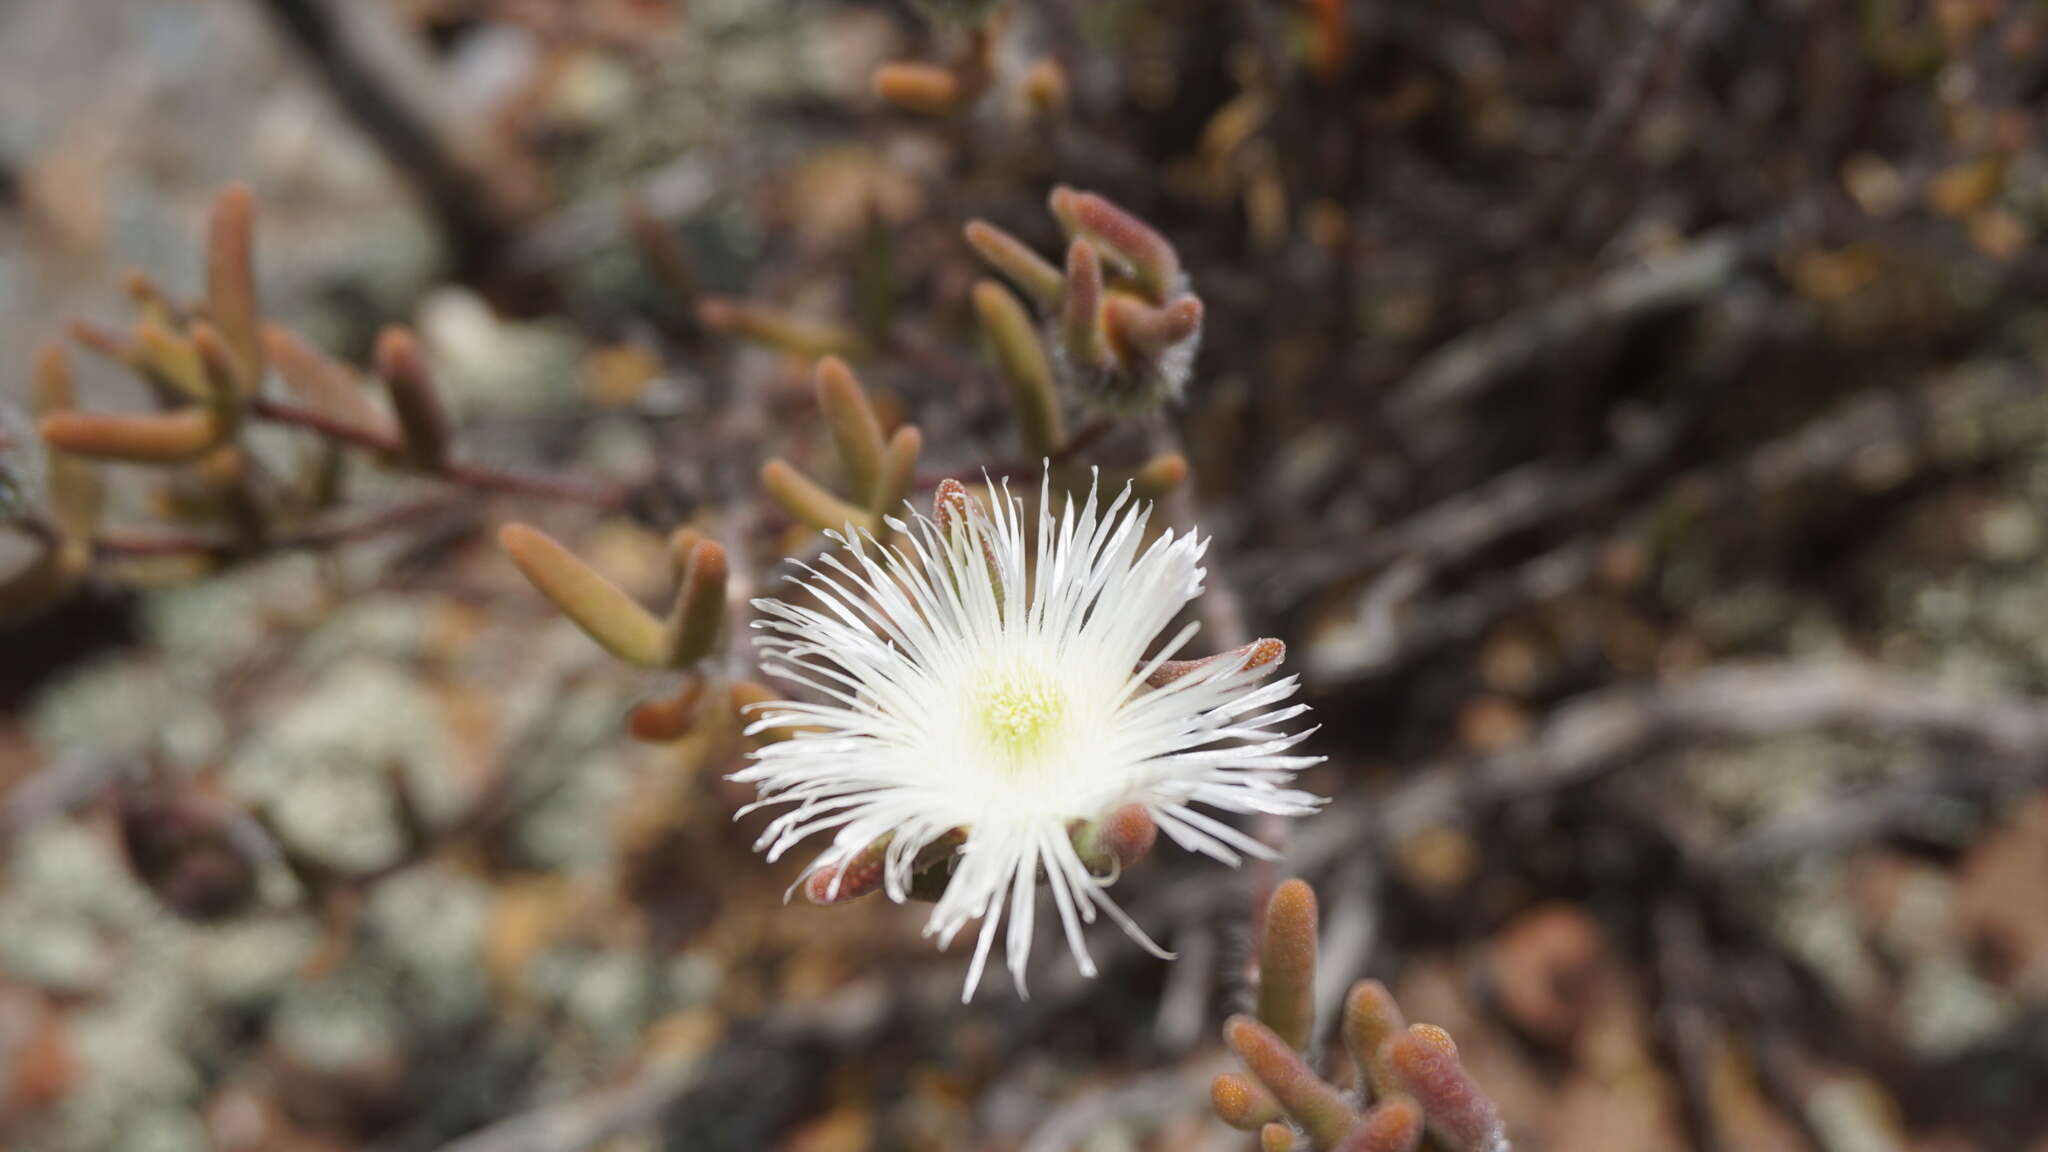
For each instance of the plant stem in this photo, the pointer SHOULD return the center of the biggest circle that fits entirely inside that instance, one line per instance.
(477, 477)
(137, 546)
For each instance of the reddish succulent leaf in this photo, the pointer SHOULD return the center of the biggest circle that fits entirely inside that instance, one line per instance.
(1425, 1064)
(1242, 1103)
(1393, 1125)
(1371, 1018)
(925, 88)
(1320, 1109)
(1287, 964)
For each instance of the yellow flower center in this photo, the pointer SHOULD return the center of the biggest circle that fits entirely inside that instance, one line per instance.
(1020, 713)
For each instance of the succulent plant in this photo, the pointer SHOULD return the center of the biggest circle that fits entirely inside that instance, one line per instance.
(1408, 1088)
(213, 370)
(1122, 323)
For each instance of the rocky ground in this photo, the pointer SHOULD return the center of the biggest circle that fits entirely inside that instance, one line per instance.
(1631, 415)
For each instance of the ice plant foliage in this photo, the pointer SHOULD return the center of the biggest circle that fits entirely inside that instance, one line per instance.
(1408, 1079)
(969, 686)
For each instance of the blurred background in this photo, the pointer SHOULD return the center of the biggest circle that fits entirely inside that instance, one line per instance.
(1629, 411)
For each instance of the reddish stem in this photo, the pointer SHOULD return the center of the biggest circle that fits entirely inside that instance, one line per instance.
(477, 477)
(331, 427)
(135, 546)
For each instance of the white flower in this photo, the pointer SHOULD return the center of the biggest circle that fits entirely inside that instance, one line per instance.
(965, 685)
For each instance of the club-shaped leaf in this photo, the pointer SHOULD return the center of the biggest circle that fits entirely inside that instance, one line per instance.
(1287, 964)
(1035, 276)
(167, 438)
(1320, 1109)
(1242, 1102)
(808, 502)
(1393, 1125)
(1152, 262)
(1425, 1065)
(699, 614)
(1371, 1018)
(422, 419)
(856, 431)
(925, 88)
(231, 282)
(1020, 356)
(899, 470)
(595, 604)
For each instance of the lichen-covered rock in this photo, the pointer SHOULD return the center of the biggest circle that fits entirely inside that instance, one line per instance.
(563, 744)
(430, 925)
(139, 1077)
(71, 914)
(325, 769)
(119, 707)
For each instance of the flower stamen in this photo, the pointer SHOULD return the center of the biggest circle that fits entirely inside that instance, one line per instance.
(1020, 714)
